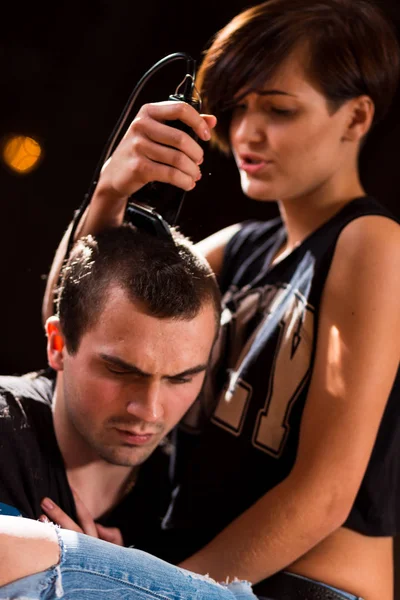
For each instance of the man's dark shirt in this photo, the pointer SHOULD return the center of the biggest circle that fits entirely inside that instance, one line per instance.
(32, 467)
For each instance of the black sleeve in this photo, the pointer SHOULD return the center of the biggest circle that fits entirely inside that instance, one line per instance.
(17, 474)
(31, 465)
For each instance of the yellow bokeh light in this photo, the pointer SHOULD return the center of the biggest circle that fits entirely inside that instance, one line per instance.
(21, 153)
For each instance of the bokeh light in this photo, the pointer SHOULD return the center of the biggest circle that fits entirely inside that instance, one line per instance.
(21, 153)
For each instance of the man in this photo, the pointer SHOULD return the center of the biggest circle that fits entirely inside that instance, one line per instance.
(129, 347)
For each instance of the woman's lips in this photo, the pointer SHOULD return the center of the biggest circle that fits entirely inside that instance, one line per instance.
(253, 166)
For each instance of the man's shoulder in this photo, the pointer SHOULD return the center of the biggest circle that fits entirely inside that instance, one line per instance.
(31, 391)
(31, 464)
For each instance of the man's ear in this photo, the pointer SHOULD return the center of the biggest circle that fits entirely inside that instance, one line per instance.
(361, 114)
(55, 343)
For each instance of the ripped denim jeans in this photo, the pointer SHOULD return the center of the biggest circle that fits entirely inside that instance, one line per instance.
(90, 569)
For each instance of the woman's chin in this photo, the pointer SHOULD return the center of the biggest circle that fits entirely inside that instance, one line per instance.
(258, 191)
(259, 195)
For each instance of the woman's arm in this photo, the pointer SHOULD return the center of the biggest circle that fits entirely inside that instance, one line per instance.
(149, 151)
(213, 246)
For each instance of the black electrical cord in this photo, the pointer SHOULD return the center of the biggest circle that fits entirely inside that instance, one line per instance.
(110, 146)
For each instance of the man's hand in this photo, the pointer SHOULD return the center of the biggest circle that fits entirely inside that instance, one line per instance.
(87, 524)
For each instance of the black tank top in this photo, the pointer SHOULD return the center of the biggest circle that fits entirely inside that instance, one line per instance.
(240, 438)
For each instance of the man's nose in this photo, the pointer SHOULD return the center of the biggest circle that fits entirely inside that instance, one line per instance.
(146, 402)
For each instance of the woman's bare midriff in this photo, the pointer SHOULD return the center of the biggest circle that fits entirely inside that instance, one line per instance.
(352, 562)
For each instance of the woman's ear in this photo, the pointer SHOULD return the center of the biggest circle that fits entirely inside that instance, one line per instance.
(55, 344)
(361, 115)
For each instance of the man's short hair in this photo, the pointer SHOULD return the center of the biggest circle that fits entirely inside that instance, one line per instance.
(169, 277)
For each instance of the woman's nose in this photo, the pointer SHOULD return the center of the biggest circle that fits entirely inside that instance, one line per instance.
(250, 127)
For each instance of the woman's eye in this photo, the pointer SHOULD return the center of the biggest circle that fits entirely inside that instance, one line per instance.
(238, 108)
(284, 112)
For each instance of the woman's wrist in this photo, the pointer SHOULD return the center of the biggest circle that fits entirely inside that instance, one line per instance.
(106, 209)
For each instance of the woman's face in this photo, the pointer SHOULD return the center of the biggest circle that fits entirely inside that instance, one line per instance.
(286, 142)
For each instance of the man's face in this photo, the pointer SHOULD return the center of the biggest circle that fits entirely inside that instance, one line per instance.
(132, 379)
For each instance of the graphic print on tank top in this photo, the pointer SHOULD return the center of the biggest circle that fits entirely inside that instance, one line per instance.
(265, 344)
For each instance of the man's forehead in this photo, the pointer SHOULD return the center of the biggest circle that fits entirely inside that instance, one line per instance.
(124, 324)
(116, 293)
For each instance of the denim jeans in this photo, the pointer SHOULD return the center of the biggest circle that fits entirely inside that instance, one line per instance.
(91, 569)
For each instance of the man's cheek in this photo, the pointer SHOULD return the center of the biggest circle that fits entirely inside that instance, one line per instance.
(186, 400)
(102, 393)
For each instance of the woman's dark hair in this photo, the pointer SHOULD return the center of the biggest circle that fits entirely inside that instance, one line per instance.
(168, 277)
(353, 50)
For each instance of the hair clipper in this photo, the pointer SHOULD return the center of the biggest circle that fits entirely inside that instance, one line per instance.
(163, 197)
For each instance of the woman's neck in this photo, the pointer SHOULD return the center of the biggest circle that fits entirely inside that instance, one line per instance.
(304, 215)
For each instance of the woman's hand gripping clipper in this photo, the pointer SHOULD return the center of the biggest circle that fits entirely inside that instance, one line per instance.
(164, 197)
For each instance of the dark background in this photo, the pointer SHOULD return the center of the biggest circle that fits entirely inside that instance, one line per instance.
(67, 71)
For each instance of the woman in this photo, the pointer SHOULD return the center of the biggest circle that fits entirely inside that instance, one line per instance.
(286, 469)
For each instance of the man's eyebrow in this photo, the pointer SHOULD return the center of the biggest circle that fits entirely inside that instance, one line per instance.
(188, 372)
(129, 367)
(122, 364)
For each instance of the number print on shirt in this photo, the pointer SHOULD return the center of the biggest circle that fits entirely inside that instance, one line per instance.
(289, 373)
(288, 376)
(231, 415)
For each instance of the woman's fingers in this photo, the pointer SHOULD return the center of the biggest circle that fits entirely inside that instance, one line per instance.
(85, 519)
(58, 516)
(154, 149)
(110, 534)
(182, 111)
